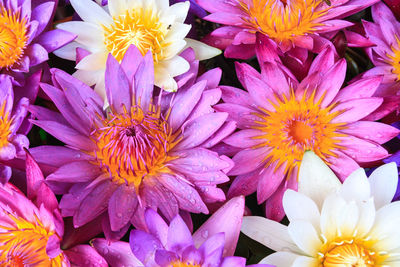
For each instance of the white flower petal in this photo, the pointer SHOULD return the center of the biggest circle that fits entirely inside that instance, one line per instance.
(269, 233)
(175, 66)
(67, 51)
(383, 183)
(95, 61)
(91, 12)
(173, 49)
(89, 77)
(390, 244)
(304, 261)
(366, 218)
(202, 50)
(162, 4)
(331, 209)
(300, 207)
(316, 179)
(305, 236)
(88, 34)
(117, 7)
(179, 10)
(347, 219)
(178, 31)
(163, 79)
(387, 221)
(356, 187)
(280, 259)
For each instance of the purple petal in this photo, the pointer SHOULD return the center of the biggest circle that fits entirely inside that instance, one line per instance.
(85, 255)
(53, 246)
(143, 245)
(144, 82)
(37, 54)
(116, 253)
(156, 225)
(42, 14)
(179, 236)
(55, 39)
(121, 206)
(75, 172)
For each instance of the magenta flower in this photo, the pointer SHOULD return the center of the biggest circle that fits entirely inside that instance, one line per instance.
(298, 23)
(385, 55)
(13, 126)
(213, 244)
(280, 118)
(31, 228)
(24, 40)
(144, 151)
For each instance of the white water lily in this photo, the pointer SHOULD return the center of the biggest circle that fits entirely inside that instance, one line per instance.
(150, 25)
(333, 224)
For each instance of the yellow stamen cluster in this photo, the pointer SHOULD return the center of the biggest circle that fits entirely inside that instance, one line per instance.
(140, 27)
(394, 59)
(283, 20)
(24, 244)
(296, 126)
(134, 144)
(183, 264)
(350, 252)
(5, 124)
(13, 37)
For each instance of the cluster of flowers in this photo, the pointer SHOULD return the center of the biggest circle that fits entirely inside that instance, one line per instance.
(145, 135)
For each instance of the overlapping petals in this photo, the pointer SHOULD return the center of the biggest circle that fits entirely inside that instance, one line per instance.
(173, 245)
(143, 151)
(25, 39)
(280, 118)
(291, 24)
(150, 25)
(337, 225)
(31, 228)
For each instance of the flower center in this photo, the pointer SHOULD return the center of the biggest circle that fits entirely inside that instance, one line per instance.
(183, 264)
(23, 243)
(283, 20)
(133, 144)
(394, 59)
(140, 27)
(5, 124)
(295, 126)
(349, 255)
(13, 37)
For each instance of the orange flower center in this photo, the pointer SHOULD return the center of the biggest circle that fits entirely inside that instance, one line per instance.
(133, 145)
(283, 20)
(394, 59)
(349, 255)
(24, 244)
(183, 264)
(140, 27)
(5, 124)
(13, 37)
(296, 126)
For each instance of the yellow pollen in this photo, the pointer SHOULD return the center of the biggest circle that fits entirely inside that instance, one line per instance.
(5, 124)
(24, 244)
(283, 20)
(133, 145)
(349, 255)
(183, 264)
(140, 27)
(13, 37)
(394, 59)
(296, 126)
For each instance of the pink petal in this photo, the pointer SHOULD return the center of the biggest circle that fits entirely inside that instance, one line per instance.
(121, 206)
(245, 184)
(156, 225)
(204, 106)
(323, 61)
(342, 165)
(245, 138)
(227, 219)
(249, 159)
(116, 253)
(362, 88)
(226, 129)
(373, 131)
(75, 172)
(58, 155)
(200, 129)
(235, 96)
(356, 109)
(144, 81)
(361, 150)
(269, 180)
(85, 255)
(274, 76)
(242, 115)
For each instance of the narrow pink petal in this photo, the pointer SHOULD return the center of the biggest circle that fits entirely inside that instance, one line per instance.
(179, 236)
(242, 51)
(361, 150)
(217, 5)
(116, 253)
(94, 203)
(227, 219)
(226, 129)
(184, 103)
(245, 138)
(323, 61)
(131, 62)
(121, 206)
(266, 49)
(34, 176)
(342, 165)
(356, 109)
(58, 155)
(156, 225)
(242, 115)
(85, 255)
(275, 78)
(211, 194)
(144, 81)
(200, 129)
(75, 172)
(235, 96)
(374, 131)
(118, 89)
(362, 88)
(212, 77)
(390, 104)
(269, 180)
(225, 18)
(249, 159)
(333, 25)
(204, 106)
(245, 184)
